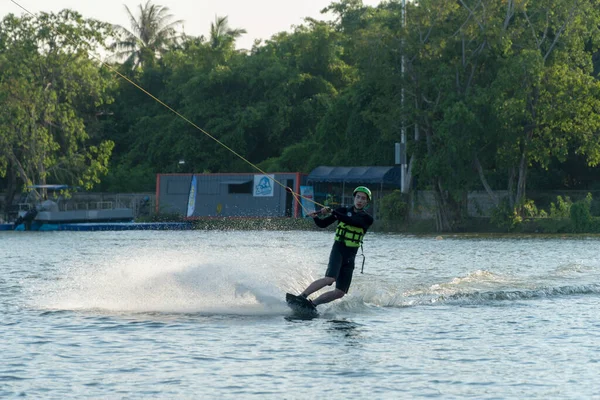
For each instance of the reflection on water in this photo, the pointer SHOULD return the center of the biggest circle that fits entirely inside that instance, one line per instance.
(346, 329)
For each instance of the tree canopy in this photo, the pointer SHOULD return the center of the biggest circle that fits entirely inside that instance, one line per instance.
(152, 33)
(51, 93)
(492, 95)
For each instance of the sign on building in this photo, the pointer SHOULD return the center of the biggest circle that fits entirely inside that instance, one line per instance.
(263, 185)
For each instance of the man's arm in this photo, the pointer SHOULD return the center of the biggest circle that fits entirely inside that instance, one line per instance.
(324, 222)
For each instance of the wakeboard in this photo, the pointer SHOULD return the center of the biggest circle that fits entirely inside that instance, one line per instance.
(301, 306)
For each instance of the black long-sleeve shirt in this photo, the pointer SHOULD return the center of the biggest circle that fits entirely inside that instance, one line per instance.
(348, 216)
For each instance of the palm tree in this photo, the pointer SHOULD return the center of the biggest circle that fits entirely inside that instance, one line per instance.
(151, 35)
(221, 35)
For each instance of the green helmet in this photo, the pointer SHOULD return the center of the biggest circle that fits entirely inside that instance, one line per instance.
(363, 189)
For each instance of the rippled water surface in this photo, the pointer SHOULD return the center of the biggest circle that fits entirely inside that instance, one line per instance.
(201, 314)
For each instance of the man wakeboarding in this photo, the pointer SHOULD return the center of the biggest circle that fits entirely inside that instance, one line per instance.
(353, 223)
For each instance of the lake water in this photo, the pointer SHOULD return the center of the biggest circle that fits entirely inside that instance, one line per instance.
(200, 314)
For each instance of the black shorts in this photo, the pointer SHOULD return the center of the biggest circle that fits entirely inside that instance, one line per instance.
(341, 265)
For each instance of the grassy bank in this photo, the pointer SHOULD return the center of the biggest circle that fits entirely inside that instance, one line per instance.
(545, 225)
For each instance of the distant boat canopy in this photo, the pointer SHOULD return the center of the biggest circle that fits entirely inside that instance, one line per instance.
(366, 175)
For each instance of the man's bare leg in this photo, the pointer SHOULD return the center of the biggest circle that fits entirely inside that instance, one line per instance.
(329, 296)
(317, 285)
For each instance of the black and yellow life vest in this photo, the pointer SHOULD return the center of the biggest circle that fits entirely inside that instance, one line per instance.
(352, 236)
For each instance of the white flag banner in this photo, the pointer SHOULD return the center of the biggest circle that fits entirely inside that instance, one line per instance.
(308, 205)
(192, 197)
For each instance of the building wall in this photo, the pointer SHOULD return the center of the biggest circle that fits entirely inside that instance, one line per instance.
(172, 193)
(227, 195)
(479, 204)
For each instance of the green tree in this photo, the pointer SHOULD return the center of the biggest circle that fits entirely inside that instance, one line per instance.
(152, 33)
(50, 92)
(545, 96)
(498, 87)
(222, 37)
(257, 104)
(489, 93)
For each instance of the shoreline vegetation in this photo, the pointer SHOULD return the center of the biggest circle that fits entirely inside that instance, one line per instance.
(576, 213)
(562, 216)
(470, 226)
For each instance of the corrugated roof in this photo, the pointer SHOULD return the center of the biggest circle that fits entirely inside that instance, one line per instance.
(385, 175)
